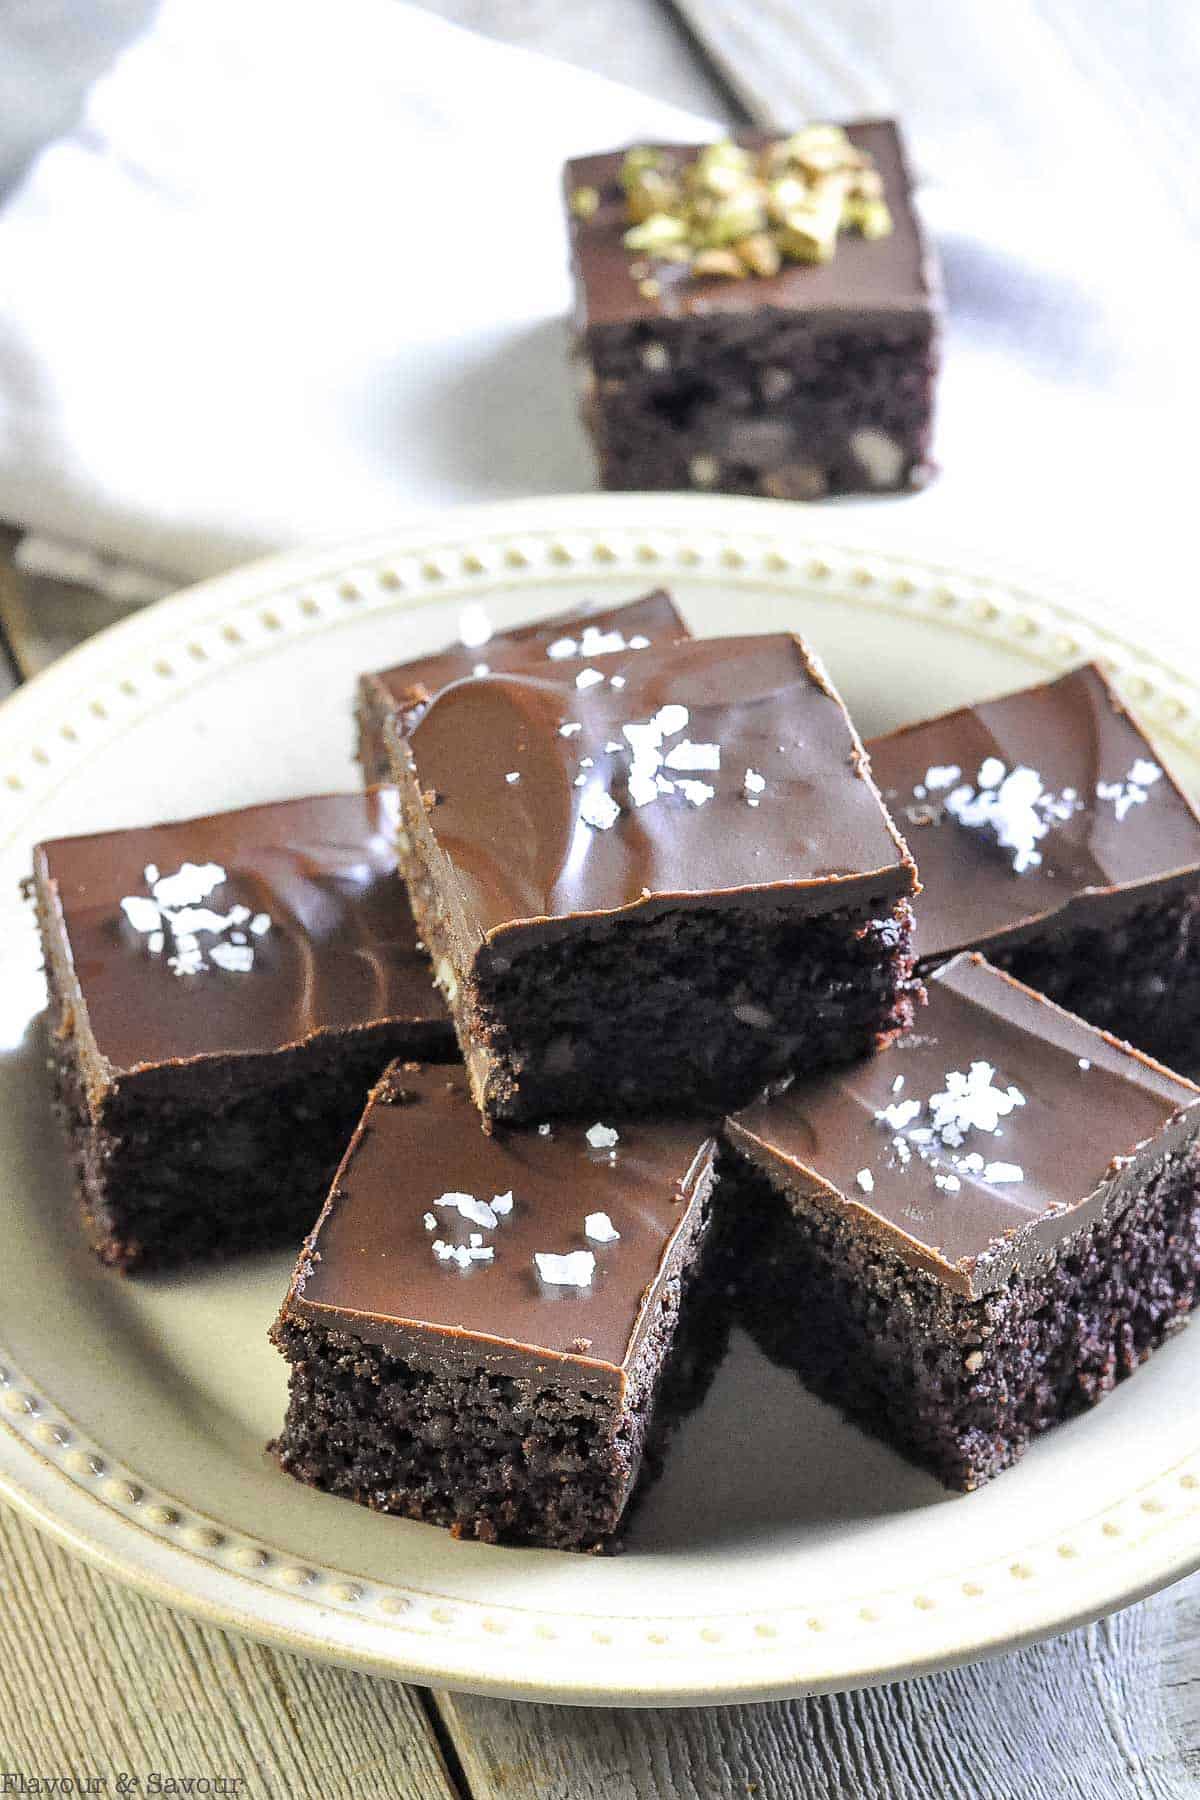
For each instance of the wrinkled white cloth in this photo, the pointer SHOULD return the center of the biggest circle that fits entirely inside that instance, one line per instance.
(300, 271)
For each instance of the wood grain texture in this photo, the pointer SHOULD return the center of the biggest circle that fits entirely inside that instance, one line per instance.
(1079, 1718)
(95, 1680)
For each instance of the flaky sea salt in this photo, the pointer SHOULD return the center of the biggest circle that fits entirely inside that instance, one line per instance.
(513, 776)
(686, 755)
(1133, 790)
(570, 728)
(941, 775)
(575, 1269)
(1008, 810)
(502, 1204)
(696, 793)
(899, 1114)
(600, 1228)
(599, 810)
(602, 1137)
(1000, 1172)
(562, 648)
(478, 1212)
(235, 959)
(174, 910)
(866, 1181)
(588, 678)
(1085, 1062)
(429, 1222)
(949, 1184)
(971, 1103)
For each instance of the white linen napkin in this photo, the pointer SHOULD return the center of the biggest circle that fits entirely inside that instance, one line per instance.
(300, 271)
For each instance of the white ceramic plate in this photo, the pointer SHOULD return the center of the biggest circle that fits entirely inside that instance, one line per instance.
(783, 1551)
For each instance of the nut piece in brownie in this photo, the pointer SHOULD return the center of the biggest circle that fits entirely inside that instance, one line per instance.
(976, 1234)
(655, 882)
(405, 691)
(223, 992)
(495, 1333)
(1051, 835)
(759, 317)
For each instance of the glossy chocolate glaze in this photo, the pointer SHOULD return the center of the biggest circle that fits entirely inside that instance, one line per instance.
(409, 687)
(1084, 1139)
(517, 857)
(880, 279)
(369, 1268)
(1075, 733)
(341, 955)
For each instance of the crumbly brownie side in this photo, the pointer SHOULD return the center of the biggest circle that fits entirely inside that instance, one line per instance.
(492, 1456)
(374, 705)
(962, 1386)
(1138, 978)
(165, 1180)
(762, 404)
(719, 1001)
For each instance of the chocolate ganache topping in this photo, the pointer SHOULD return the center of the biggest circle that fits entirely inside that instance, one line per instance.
(868, 277)
(717, 773)
(588, 633)
(1048, 806)
(507, 1252)
(976, 1145)
(240, 933)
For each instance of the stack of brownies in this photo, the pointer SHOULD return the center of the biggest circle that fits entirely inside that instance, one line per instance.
(662, 888)
(618, 949)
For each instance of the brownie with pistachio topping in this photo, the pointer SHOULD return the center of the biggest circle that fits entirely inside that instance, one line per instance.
(976, 1234)
(1051, 835)
(223, 992)
(758, 317)
(405, 690)
(669, 879)
(495, 1334)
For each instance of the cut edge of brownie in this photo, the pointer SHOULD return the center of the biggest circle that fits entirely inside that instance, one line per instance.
(962, 1385)
(848, 972)
(1137, 977)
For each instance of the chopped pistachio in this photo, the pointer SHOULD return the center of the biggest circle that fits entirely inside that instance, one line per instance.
(724, 221)
(870, 218)
(731, 212)
(652, 192)
(585, 201)
(760, 253)
(637, 161)
(654, 232)
(719, 262)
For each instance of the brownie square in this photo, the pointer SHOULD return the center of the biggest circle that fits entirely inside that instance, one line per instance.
(808, 379)
(405, 691)
(223, 992)
(495, 1333)
(973, 1236)
(654, 883)
(1051, 835)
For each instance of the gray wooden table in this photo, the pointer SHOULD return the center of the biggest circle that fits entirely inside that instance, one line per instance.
(97, 1682)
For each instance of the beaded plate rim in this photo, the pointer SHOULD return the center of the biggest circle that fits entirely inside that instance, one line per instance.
(52, 1468)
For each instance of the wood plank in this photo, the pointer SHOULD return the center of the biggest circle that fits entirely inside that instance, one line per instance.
(96, 1680)
(41, 619)
(1081, 1716)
